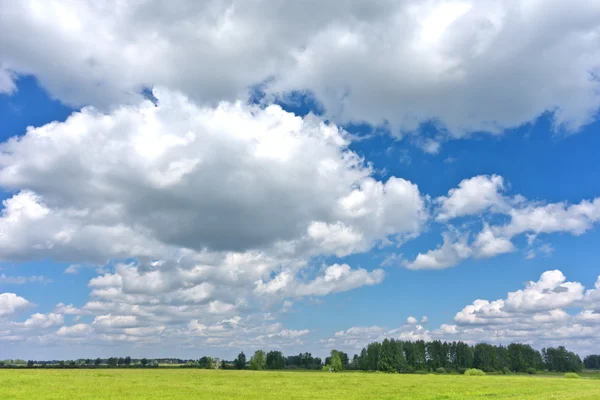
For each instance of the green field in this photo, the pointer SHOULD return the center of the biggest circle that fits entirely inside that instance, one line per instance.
(185, 384)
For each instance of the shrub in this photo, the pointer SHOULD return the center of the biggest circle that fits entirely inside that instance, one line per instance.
(440, 370)
(531, 371)
(474, 372)
(572, 375)
(506, 371)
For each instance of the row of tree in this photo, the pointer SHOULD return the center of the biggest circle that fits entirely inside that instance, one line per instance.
(592, 361)
(388, 356)
(398, 356)
(276, 360)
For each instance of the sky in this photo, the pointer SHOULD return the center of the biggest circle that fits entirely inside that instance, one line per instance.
(200, 178)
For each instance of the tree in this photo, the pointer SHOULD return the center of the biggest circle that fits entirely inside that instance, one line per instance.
(258, 360)
(373, 350)
(97, 362)
(363, 360)
(592, 361)
(561, 360)
(240, 361)
(275, 360)
(144, 362)
(335, 362)
(112, 362)
(127, 360)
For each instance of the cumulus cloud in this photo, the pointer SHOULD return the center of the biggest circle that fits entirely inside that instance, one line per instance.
(450, 253)
(555, 217)
(221, 208)
(43, 321)
(174, 160)
(487, 244)
(472, 196)
(401, 62)
(74, 330)
(334, 278)
(10, 303)
(483, 198)
(535, 315)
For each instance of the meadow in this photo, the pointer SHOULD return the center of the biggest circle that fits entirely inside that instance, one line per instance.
(182, 384)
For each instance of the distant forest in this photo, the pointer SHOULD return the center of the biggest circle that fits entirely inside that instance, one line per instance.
(387, 356)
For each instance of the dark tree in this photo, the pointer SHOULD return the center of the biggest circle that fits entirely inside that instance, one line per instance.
(275, 360)
(240, 361)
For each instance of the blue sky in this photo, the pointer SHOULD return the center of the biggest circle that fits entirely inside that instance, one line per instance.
(454, 200)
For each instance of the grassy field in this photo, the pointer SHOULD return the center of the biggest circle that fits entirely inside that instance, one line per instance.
(182, 384)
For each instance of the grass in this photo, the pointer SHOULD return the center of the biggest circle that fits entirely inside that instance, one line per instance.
(183, 384)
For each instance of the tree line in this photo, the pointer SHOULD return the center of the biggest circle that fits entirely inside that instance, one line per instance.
(390, 355)
(436, 356)
(592, 361)
(399, 356)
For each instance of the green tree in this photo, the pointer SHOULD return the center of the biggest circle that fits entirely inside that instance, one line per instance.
(258, 360)
(240, 361)
(275, 360)
(335, 361)
(97, 362)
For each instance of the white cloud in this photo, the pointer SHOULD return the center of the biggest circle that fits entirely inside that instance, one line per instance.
(550, 292)
(449, 254)
(555, 217)
(536, 315)
(472, 196)
(73, 269)
(411, 320)
(487, 244)
(334, 278)
(70, 309)
(115, 321)
(171, 153)
(402, 62)
(10, 303)
(43, 321)
(482, 197)
(157, 184)
(78, 330)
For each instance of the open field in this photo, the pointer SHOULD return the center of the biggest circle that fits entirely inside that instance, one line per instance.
(182, 384)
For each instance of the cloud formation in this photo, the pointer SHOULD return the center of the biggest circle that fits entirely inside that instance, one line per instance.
(482, 199)
(470, 66)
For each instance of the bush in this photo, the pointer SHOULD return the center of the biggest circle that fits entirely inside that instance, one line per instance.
(572, 375)
(440, 370)
(531, 371)
(474, 372)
